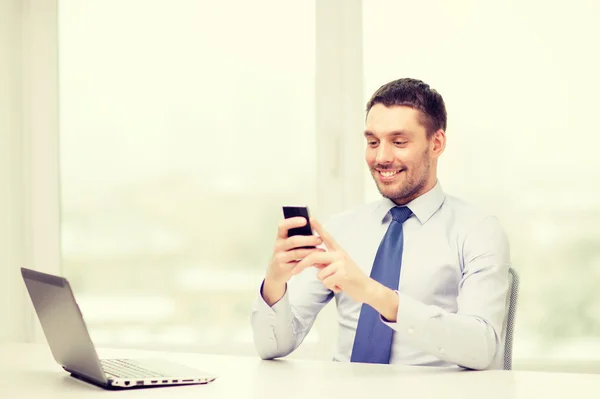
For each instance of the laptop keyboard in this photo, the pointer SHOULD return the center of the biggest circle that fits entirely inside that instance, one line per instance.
(123, 368)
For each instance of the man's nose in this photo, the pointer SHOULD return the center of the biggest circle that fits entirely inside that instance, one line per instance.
(384, 154)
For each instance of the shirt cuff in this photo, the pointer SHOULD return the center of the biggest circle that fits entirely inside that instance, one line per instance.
(261, 306)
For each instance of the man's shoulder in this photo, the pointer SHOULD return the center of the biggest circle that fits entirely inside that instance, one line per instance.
(465, 208)
(468, 215)
(477, 230)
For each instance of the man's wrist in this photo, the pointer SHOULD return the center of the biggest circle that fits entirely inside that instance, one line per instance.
(383, 300)
(273, 290)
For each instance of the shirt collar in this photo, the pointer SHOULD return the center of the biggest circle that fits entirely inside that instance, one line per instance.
(423, 207)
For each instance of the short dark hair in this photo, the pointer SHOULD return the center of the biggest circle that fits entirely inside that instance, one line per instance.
(416, 94)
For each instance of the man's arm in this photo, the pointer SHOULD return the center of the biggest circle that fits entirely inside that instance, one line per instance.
(471, 337)
(286, 306)
(279, 329)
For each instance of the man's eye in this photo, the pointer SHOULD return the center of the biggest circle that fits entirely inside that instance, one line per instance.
(399, 142)
(372, 143)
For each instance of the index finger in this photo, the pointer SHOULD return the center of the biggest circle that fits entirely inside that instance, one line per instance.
(325, 236)
(286, 224)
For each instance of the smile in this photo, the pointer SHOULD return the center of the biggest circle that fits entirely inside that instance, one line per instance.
(388, 174)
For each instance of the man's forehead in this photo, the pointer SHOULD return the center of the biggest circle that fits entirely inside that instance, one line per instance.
(394, 119)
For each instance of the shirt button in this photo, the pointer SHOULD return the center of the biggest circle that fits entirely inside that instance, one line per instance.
(410, 330)
(442, 350)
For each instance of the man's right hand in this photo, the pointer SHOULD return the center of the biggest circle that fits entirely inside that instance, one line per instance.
(287, 253)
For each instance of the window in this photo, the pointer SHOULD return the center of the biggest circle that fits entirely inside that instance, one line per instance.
(519, 84)
(184, 127)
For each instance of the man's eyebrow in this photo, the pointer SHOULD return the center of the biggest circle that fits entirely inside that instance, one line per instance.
(395, 133)
(402, 133)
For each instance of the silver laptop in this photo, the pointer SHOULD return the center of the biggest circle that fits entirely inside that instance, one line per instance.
(72, 347)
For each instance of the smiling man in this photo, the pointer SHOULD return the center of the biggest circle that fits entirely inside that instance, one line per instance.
(419, 277)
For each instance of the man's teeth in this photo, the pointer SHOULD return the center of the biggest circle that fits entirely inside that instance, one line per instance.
(388, 174)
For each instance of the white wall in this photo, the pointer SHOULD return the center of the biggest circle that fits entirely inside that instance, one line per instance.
(29, 210)
(12, 320)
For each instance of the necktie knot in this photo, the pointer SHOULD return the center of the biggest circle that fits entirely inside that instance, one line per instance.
(400, 213)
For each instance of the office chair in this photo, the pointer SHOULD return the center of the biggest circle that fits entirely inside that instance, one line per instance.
(513, 291)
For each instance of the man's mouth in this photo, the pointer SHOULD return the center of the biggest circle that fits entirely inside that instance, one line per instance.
(388, 174)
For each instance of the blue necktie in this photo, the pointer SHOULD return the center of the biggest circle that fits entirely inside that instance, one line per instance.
(373, 341)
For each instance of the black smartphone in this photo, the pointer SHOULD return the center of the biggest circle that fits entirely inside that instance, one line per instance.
(295, 211)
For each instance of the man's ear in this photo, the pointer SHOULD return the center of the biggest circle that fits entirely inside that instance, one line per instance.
(438, 140)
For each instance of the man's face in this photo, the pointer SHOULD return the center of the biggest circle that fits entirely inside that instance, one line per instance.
(402, 160)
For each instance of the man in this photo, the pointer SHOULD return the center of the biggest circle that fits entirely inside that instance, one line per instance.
(419, 277)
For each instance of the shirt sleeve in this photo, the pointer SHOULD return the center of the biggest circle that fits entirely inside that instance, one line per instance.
(471, 337)
(280, 329)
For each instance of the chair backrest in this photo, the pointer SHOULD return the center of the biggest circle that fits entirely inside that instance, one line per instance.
(513, 293)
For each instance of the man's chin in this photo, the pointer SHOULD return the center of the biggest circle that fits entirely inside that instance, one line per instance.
(389, 190)
(393, 190)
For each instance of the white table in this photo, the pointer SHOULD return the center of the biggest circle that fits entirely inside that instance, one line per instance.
(29, 371)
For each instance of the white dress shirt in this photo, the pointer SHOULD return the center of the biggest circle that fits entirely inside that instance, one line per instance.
(452, 292)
